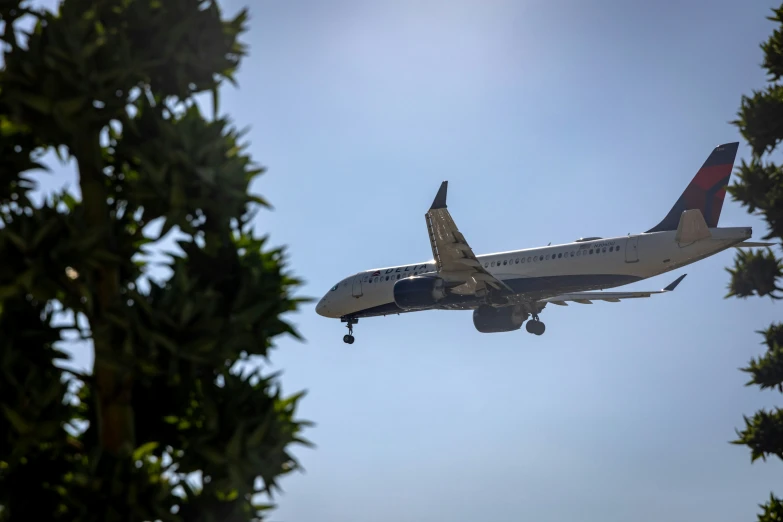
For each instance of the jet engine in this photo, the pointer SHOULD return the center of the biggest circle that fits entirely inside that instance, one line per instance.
(418, 292)
(488, 319)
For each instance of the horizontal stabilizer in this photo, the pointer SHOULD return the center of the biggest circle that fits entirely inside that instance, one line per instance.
(612, 297)
(692, 227)
(752, 244)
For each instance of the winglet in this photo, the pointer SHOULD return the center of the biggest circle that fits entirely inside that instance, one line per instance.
(674, 283)
(440, 197)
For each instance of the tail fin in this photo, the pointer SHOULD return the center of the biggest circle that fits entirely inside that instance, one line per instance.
(706, 190)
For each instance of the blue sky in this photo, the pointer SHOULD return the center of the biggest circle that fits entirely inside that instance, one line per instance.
(551, 121)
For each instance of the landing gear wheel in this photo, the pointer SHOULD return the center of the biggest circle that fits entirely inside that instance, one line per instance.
(348, 339)
(535, 327)
(540, 328)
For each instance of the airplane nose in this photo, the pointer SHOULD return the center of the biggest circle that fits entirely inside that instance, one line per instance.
(322, 308)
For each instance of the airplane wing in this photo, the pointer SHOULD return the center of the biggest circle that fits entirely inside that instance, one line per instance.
(612, 297)
(453, 256)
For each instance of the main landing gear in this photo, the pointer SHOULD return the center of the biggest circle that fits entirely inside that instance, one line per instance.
(535, 326)
(349, 339)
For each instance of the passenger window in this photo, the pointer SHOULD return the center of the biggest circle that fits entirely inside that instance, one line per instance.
(486, 265)
(559, 255)
(504, 262)
(572, 254)
(493, 263)
(578, 252)
(523, 259)
(591, 251)
(528, 259)
(517, 261)
(604, 250)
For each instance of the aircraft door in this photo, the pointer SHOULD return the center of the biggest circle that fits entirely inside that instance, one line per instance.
(632, 249)
(357, 286)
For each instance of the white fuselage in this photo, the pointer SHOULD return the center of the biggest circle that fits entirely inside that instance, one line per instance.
(538, 273)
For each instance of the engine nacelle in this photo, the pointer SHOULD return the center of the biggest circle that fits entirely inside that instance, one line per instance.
(418, 292)
(488, 319)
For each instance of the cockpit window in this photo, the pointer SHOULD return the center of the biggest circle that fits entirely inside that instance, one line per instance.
(335, 287)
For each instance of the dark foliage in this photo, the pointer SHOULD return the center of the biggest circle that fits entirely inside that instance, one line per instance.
(110, 84)
(760, 189)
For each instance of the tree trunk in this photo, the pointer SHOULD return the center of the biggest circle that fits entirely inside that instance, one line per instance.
(113, 383)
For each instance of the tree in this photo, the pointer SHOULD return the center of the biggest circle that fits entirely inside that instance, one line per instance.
(760, 189)
(111, 85)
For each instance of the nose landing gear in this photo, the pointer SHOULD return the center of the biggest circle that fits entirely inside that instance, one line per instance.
(349, 339)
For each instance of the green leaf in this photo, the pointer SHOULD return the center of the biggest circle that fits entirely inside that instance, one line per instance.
(144, 450)
(162, 340)
(213, 457)
(71, 106)
(17, 421)
(8, 291)
(43, 232)
(772, 511)
(253, 314)
(37, 102)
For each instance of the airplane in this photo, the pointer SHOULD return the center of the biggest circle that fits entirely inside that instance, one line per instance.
(505, 289)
